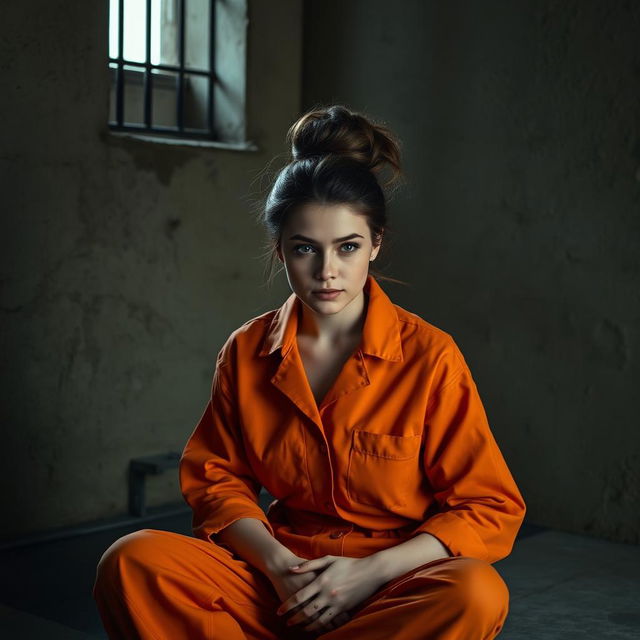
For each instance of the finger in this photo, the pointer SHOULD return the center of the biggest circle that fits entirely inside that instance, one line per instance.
(340, 619)
(308, 611)
(343, 618)
(297, 600)
(326, 618)
(301, 597)
(290, 604)
(309, 565)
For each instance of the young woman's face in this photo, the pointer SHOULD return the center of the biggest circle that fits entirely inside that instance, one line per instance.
(326, 247)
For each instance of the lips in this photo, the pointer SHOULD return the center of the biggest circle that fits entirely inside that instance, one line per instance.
(327, 294)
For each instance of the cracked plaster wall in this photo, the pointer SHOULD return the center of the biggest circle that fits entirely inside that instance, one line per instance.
(124, 264)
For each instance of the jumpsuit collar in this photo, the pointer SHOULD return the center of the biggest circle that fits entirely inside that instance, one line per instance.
(380, 333)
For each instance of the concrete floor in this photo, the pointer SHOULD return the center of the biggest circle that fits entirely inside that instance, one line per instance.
(563, 586)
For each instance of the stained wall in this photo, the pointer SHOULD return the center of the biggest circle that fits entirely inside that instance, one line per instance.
(125, 264)
(519, 230)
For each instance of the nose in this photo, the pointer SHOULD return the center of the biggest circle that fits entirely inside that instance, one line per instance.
(326, 269)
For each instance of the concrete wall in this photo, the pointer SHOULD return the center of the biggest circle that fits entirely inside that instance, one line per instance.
(124, 264)
(519, 232)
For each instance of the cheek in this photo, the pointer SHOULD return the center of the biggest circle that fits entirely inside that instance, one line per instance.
(298, 274)
(364, 264)
(298, 269)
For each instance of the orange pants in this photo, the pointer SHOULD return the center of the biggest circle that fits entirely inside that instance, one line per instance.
(158, 585)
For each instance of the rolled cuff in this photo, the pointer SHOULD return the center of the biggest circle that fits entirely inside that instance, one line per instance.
(460, 538)
(228, 515)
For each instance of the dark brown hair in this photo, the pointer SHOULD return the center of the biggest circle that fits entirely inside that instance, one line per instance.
(336, 158)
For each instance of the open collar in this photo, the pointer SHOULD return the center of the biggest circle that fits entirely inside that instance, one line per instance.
(380, 333)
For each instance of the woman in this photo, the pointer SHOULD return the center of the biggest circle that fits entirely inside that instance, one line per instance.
(359, 417)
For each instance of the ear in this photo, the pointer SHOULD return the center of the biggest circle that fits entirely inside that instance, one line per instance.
(376, 249)
(279, 252)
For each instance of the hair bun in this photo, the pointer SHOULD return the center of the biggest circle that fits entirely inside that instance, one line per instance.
(335, 130)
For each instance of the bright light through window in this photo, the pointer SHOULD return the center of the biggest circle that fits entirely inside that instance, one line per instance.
(174, 90)
(134, 28)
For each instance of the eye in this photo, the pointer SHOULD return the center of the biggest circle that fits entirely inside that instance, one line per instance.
(297, 248)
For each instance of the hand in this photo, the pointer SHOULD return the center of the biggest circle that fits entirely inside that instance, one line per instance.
(286, 583)
(325, 600)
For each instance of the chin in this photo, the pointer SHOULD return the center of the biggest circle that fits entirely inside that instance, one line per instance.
(323, 307)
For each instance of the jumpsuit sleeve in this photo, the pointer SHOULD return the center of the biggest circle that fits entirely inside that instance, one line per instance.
(216, 479)
(481, 508)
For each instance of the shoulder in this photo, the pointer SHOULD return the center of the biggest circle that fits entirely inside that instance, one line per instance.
(420, 333)
(424, 340)
(246, 338)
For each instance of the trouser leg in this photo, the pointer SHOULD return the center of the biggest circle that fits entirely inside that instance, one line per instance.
(157, 585)
(455, 598)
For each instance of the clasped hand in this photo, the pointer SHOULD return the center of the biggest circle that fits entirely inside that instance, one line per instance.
(342, 584)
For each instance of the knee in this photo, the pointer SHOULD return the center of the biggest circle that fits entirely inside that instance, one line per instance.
(480, 588)
(136, 547)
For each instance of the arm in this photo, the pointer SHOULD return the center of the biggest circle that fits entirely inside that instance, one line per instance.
(394, 561)
(481, 508)
(250, 539)
(218, 483)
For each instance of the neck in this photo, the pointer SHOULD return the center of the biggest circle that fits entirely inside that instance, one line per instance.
(336, 328)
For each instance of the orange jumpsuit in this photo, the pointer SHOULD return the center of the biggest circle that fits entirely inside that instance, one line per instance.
(399, 445)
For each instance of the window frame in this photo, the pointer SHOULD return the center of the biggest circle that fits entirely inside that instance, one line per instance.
(180, 131)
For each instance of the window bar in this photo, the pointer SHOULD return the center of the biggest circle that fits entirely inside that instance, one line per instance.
(161, 67)
(180, 92)
(147, 71)
(212, 56)
(120, 74)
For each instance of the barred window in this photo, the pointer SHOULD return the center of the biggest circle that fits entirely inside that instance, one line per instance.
(168, 60)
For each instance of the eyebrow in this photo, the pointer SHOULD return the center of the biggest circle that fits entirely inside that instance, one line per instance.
(305, 239)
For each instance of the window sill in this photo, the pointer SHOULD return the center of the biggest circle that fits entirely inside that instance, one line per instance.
(184, 142)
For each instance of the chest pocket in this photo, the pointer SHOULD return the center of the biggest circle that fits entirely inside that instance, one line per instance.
(383, 469)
